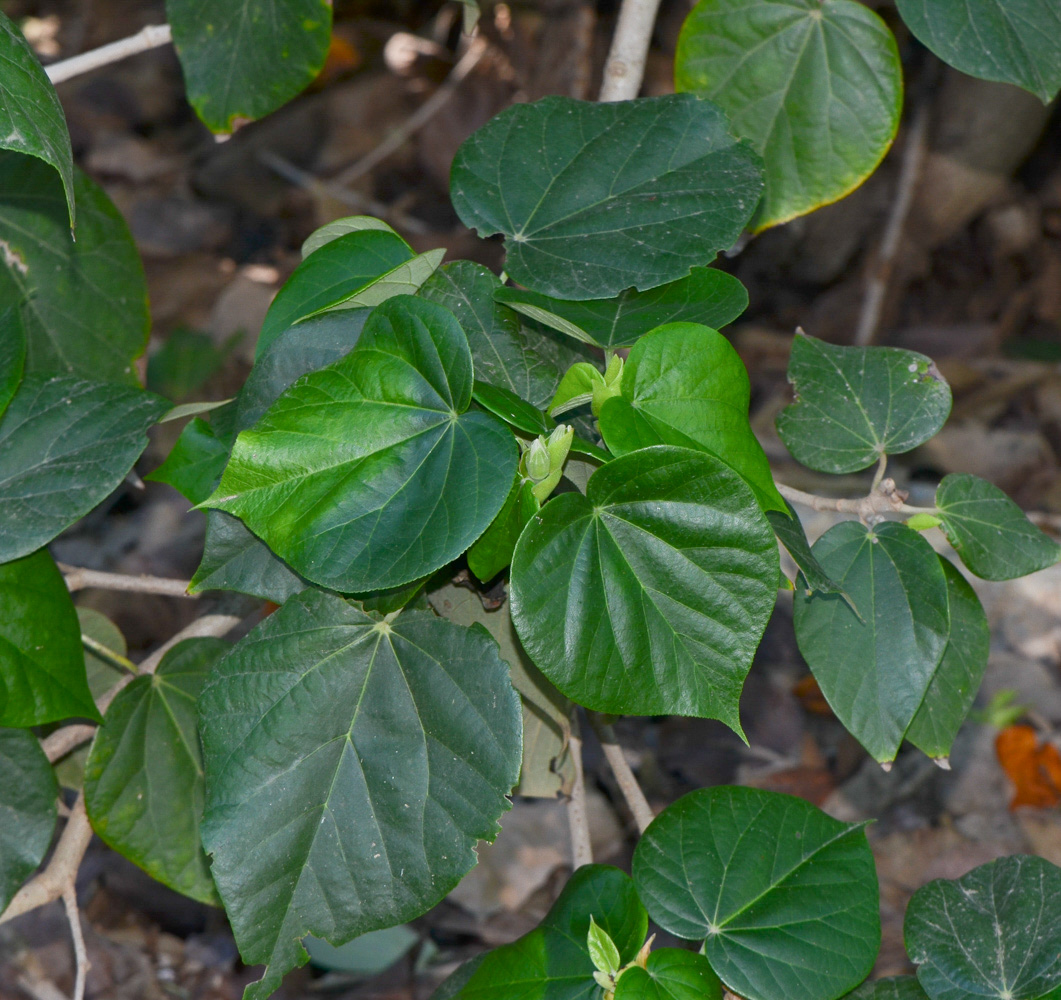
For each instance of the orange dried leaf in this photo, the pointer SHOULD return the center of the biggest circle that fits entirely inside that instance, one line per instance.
(1034, 770)
(810, 696)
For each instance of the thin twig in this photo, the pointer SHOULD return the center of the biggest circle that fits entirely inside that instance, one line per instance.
(581, 848)
(878, 476)
(419, 118)
(150, 37)
(625, 68)
(78, 578)
(80, 951)
(624, 776)
(58, 744)
(886, 499)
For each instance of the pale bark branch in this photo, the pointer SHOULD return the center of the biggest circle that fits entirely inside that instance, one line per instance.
(577, 817)
(886, 499)
(625, 68)
(148, 38)
(82, 963)
(78, 578)
(624, 776)
(58, 744)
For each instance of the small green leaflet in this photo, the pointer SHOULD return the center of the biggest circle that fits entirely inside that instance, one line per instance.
(991, 933)
(789, 530)
(815, 85)
(597, 198)
(854, 404)
(671, 974)
(747, 869)
(12, 352)
(989, 531)
(195, 462)
(340, 227)
(144, 779)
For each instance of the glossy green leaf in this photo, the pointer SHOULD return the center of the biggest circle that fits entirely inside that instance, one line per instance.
(144, 777)
(671, 974)
(789, 530)
(372, 472)
(891, 988)
(65, 444)
(12, 353)
(712, 298)
(42, 667)
(31, 117)
(786, 896)
(28, 793)
(685, 385)
(333, 275)
(596, 198)
(874, 672)
(244, 58)
(1012, 41)
(83, 303)
(989, 531)
(363, 760)
(195, 462)
(957, 679)
(649, 594)
(991, 933)
(340, 227)
(815, 85)
(552, 962)
(492, 552)
(504, 352)
(854, 404)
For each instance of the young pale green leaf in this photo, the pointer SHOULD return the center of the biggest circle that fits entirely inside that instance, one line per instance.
(957, 678)
(505, 353)
(989, 531)
(31, 117)
(854, 404)
(28, 793)
(891, 988)
(83, 303)
(602, 951)
(195, 463)
(103, 673)
(372, 472)
(596, 198)
(363, 760)
(244, 58)
(12, 351)
(670, 974)
(649, 594)
(144, 778)
(991, 933)
(492, 552)
(1013, 41)
(579, 387)
(815, 85)
(340, 227)
(875, 670)
(789, 530)
(334, 275)
(685, 385)
(65, 444)
(786, 897)
(553, 962)
(42, 667)
(706, 296)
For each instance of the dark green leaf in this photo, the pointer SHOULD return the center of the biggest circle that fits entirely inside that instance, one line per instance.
(815, 85)
(195, 463)
(65, 444)
(503, 351)
(685, 385)
(42, 667)
(186, 360)
(957, 679)
(991, 933)
(648, 595)
(706, 296)
(596, 198)
(12, 353)
(31, 117)
(552, 962)
(144, 778)
(391, 477)
(244, 58)
(1013, 41)
(671, 974)
(854, 404)
(789, 529)
(331, 276)
(892, 988)
(363, 760)
(989, 531)
(786, 896)
(492, 552)
(27, 809)
(875, 671)
(84, 303)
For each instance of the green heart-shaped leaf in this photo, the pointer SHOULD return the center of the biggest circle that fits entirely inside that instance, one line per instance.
(670, 974)
(875, 671)
(685, 385)
(991, 933)
(363, 760)
(370, 473)
(596, 198)
(195, 462)
(786, 896)
(12, 353)
(854, 404)
(340, 227)
(144, 778)
(989, 531)
(815, 85)
(649, 594)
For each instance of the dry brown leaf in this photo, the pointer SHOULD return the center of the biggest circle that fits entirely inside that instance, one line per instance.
(1034, 769)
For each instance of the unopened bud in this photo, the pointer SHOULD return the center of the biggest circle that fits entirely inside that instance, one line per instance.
(537, 461)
